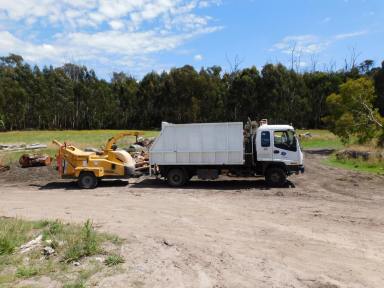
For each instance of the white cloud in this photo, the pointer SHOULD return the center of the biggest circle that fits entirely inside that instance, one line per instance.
(100, 29)
(326, 20)
(198, 57)
(116, 24)
(350, 35)
(32, 52)
(204, 4)
(306, 44)
(310, 44)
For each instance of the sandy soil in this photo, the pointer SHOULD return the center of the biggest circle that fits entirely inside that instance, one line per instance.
(325, 230)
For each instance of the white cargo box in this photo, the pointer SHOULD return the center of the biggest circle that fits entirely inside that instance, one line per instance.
(198, 144)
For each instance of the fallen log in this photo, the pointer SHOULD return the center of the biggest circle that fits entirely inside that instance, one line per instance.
(4, 168)
(34, 160)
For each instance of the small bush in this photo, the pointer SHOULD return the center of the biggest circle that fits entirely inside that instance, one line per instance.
(85, 244)
(75, 285)
(114, 239)
(26, 272)
(54, 228)
(13, 233)
(6, 245)
(114, 260)
(41, 224)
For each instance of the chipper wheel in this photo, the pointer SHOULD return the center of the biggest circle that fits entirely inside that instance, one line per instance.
(87, 180)
(176, 177)
(275, 177)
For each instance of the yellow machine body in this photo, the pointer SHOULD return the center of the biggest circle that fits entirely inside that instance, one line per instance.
(111, 163)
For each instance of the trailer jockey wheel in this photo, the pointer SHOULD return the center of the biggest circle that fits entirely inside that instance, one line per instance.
(176, 177)
(87, 180)
(275, 177)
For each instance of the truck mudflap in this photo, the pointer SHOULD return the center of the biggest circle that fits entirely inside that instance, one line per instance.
(295, 169)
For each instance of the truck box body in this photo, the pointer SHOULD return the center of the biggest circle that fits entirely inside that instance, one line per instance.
(199, 144)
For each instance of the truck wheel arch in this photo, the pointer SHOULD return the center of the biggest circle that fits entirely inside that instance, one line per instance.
(270, 165)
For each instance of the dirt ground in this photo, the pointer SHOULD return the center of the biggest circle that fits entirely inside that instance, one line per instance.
(324, 230)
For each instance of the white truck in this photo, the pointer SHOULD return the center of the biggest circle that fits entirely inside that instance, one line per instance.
(207, 150)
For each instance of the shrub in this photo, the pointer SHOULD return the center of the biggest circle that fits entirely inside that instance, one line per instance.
(84, 244)
(13, 233)
(26, 272)
(114, 260)
(75, 285)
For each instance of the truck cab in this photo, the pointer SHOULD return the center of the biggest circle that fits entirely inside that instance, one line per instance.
(277, 151)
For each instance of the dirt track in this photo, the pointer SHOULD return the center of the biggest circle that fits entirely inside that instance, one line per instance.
(326, 232)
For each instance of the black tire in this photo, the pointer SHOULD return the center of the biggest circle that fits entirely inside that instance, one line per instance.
(275, 177)
(176, 177)
(87, 180)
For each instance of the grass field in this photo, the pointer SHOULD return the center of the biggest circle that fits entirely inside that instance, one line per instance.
(325, 139)
(320, 139)
(78, 137)
(356, 165)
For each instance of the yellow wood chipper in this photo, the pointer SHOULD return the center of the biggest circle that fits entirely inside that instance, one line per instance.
(89, 167)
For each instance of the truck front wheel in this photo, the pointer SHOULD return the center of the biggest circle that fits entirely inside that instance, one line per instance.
(87, 180)
(275, 177)
(176, 177)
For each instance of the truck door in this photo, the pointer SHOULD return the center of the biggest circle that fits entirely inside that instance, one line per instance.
(264, 146)
(284, 146)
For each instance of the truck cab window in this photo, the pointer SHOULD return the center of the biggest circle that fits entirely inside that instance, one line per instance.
(285, 140)
(265, 139)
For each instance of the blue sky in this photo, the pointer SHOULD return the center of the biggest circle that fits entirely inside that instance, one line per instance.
(137, 36)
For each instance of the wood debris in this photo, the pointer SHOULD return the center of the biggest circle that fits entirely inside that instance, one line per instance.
(34, 160)
(140, 152)
(21, 147)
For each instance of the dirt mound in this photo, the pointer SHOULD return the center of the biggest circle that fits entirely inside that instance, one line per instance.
(16, 174)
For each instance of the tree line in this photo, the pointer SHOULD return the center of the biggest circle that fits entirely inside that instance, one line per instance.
(73, 97)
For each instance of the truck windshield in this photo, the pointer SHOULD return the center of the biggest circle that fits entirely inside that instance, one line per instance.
(285, 140)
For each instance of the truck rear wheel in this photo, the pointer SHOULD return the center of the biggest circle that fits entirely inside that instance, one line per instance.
(87, 180)
(275, 177)
(176, 177)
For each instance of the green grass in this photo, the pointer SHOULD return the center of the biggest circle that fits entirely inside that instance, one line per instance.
(26, 272)
(79, 138)
(326, 139)
(320, 139)
(85, 243)
(77, 284)
(356, 165)
(84, 137)
(14, 233)
(114, 260)
(71, 243)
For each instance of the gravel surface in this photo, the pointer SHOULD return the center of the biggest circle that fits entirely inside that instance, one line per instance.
(324, 230)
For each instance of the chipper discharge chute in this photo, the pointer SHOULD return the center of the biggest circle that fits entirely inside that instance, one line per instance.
(89, 167)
